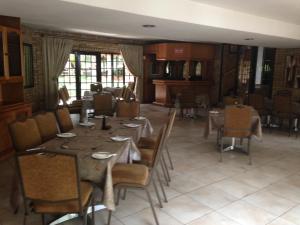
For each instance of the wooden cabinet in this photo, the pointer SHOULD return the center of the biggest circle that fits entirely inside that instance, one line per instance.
(11, 61)
(12, 106)
(167, 90)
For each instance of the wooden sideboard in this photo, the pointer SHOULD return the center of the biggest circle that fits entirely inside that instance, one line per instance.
(166, 90)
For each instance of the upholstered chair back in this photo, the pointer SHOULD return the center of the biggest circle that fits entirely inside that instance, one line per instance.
(128, 109)
(64, 119)
(103, 104)
(25, 134)
(237, 121)
(47, 125)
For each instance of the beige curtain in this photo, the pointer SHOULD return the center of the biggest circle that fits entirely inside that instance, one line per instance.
(55, 53)
(133, 57)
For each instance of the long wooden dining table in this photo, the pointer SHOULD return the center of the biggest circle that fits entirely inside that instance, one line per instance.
(89, 140)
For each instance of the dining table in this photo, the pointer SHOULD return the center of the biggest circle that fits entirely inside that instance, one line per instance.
(89, 138)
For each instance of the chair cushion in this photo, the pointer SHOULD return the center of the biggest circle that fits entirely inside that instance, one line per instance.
(130, 174)
(68, 206)
(145, 142)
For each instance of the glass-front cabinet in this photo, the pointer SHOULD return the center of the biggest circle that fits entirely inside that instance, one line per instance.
(10, 53)
(14, 53)
(1, 54)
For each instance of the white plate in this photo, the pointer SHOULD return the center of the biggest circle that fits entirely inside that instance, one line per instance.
(119, 138)
(66, 135)
(131, 125)
(99, 117)
(214, 112)
(140, 118)
(87, 124)
(102, 155)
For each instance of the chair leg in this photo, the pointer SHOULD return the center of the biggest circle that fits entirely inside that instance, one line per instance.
(169, 157)
(84, 217)
(152, 206)
(166, 167)
(93, 211)
(157, 194)
(249, 153)
(118, 196)
(124, 194)
(221, 150)
(109, 217)
(43, 219)
(161, 186)
(164, 172)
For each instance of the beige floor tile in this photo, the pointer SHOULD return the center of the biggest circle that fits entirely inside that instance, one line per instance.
(184, 183)
(247, 214)
(213, 219)
(256, 178)
(293, 215)
(281, 221)
(285, 190)
(145, 217)
(130, 205)
(235, 188)
(185, 209)
(212, 197)
(269, 202)
(170, 192)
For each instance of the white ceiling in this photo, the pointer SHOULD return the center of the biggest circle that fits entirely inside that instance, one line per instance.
(180, 20)
(284, 10)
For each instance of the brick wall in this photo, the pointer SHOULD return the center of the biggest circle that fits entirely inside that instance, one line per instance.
(279, 71)
(82, 42)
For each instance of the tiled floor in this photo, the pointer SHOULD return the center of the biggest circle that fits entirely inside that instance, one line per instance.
(204, 191)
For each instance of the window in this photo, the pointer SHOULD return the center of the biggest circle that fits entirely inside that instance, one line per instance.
(84, 68)
(68, 77)
(28, 61)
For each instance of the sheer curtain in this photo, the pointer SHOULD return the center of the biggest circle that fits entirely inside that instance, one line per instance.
(133, 58)
(55, 53)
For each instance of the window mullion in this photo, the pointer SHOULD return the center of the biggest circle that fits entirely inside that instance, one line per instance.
(112, 70)
(78, 74)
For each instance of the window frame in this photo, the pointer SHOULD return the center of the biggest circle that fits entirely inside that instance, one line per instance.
(78, 74)
(31, 84)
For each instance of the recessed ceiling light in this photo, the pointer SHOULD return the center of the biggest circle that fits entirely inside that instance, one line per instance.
(249, 39)
(148, 26)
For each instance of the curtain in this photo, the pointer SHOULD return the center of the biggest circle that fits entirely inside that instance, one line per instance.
(55, 53)
(133, 58)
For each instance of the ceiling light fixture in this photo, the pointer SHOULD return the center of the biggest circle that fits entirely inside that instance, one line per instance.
(249, 39)
(148, 26)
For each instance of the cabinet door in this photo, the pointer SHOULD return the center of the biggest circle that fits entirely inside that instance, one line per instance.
(1, 54)
(14, 52)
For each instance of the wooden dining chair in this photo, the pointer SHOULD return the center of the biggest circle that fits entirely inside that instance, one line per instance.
(96, 87)
(64, 119)
(149, 142)
(51, 184)
(137, 176)
(237, 124)
(25, 134)
(73, 106)
(47, 125)
(127, 109)
(232, 100)
(103, 104)
(283, 110)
